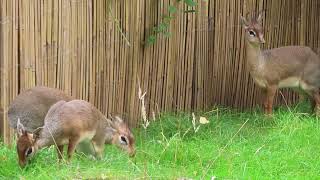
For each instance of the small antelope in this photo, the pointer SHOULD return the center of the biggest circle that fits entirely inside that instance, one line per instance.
(31, 107)
(72, 122)
(295, 67)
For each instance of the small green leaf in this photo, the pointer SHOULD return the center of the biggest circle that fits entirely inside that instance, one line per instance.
(190, 2)
(172, 9)
(167, 18)
(151, 39)
(162, 27)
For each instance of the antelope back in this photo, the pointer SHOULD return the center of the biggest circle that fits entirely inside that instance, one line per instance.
(32, 105)
(74, 118)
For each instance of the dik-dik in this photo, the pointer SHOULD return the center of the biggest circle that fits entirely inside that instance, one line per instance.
(295, 67)
(31, 107)
(69, 123)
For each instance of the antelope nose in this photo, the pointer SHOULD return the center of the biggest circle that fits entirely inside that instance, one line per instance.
(22, 164)
(132, 153)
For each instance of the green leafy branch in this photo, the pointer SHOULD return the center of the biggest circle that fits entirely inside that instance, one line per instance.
(163, 27)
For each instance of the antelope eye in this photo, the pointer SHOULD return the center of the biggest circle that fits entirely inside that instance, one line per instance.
(123, 140)
(252, 33)
(28, 151)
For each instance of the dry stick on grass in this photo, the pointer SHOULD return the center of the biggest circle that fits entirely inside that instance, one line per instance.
(53, 140)
(211, 163)
(284, 99)
(56, 145)
(153, 116)
(146, 122)
(195, 128)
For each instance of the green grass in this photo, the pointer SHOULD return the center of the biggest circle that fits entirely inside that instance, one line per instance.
(234, 145)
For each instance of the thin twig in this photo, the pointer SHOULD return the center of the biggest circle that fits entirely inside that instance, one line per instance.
(56, 145)
(141, 95)
(118, 27)
(211, 163)
(285, 101)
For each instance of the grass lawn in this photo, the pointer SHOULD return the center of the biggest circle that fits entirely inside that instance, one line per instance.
(234, 145)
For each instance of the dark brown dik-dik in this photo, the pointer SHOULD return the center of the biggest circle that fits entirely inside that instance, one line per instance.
(31, 107)
(69, 123)
(295, 67)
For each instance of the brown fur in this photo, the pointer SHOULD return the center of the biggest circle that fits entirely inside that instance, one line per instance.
(123, 130)
(285, 67)
(31, 107)
(72, 122)
(23, 143)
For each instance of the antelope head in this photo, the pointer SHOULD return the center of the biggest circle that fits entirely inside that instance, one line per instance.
(122, 136)
(24, 144)
(253, 29)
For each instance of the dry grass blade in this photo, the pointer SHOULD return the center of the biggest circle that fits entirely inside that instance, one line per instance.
(141, 95)
(222, 150)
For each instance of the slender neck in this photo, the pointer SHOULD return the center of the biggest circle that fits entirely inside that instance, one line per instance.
(109, 135)
(36, 147)
(253, 53)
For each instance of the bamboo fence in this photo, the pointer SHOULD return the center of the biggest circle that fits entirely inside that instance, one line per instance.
(95, 51)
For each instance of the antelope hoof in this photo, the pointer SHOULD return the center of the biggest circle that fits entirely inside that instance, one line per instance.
(268, 115)
(68, 161)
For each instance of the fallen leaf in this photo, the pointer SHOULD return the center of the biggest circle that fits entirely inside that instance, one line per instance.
(203, 120)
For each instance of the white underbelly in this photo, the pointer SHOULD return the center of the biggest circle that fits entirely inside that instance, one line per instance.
(290, 82)
(87, 135)
(83, 137)
(260, 81)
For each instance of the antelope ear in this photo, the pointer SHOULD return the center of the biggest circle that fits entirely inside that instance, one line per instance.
(244, 22)
(116, 122)
(20, 128)
(109, 122)
(259, 18)
(36, 132)
(118, 119)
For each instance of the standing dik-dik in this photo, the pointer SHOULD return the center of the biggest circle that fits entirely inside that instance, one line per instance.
(69, 123)
(295, 67)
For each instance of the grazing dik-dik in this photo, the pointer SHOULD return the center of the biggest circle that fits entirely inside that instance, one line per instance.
(69, 123)
(31, 107)
(295, 67)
